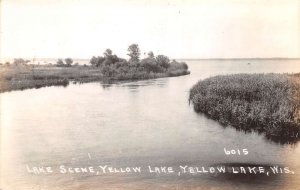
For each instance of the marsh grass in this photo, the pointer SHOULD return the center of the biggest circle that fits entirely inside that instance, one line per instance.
(35, 76)
(267, 103)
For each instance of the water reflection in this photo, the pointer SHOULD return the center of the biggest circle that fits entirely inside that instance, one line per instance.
(135, 84)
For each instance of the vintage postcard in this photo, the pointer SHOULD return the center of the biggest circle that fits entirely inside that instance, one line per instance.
(149, 94)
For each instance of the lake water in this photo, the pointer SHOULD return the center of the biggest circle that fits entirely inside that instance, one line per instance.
(132, 124)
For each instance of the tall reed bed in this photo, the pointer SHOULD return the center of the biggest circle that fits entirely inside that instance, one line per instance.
(267, 103)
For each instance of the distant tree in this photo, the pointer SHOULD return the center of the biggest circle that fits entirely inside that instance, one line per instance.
(134, 52)
(163, 61)
(7, 63)
(114, 58)
(150, 54)
(109, 58)
(69, 62)
(60, 63)
(107, 53)
(20, 61)
(93, 61)
(97, 61)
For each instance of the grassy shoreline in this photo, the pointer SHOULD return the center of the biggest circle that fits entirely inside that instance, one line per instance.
(20, 77)
(266, 103)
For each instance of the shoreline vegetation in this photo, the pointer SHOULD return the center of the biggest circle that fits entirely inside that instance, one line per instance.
(20, 75)
(265, 103)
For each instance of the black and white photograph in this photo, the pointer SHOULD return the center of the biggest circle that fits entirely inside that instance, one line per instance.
(149, 94)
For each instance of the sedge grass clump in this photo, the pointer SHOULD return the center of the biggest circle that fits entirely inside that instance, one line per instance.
(267, 103)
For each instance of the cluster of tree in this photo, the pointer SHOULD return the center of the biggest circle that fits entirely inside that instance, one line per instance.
(20, 61)
(113, 66)
(68, 62)
(105, 60)
(17, 61)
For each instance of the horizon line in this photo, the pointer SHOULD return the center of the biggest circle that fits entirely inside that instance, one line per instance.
(204, 58)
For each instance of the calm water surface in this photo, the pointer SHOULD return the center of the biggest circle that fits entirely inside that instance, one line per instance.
(134, 124)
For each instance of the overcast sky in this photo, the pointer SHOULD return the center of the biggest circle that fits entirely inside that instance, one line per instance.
(178, 28)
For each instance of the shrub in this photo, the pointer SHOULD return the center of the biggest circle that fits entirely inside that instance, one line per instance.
(97, 61)
(150, 65)
(69, 62)
(162, 61)
(60, 63)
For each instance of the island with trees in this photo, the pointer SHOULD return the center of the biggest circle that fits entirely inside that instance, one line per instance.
(266, 103)
(20, 75)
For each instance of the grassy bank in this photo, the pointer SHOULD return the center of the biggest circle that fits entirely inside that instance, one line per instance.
(267, 103)
(19, 77)
(109, 67)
